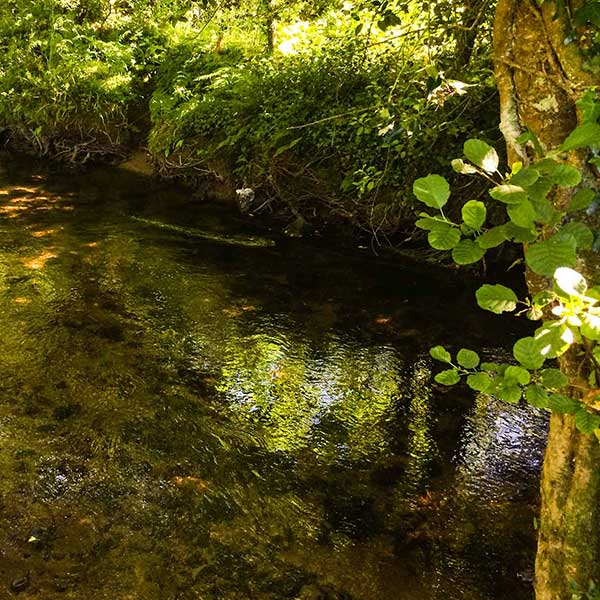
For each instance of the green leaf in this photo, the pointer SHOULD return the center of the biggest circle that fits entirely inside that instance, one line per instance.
(522, 214)
(509, 392)
(448, 377)
(460, 166)
(566, 176)
(518, 234)
(509, 194)
(529, 136)
(428, 223)
(525, 177)
(480, 382)
(474, 214)
(583, 136)
(586, 421)
(518, 374)
(544, 211)
(467, 358)
(581, 200)
(536, 396)
(589, 106)
(467, 252)
(540, 189)
(432, 190)
(443, 237)
(527, 351)
(440, 353)
(492, 237)
(482, 155)
(560, 403)
(492, 367)
(584, 238)
(543, 298)
(555, 338)
(590, 327)
(545, 257)
(553, 379)
(496, 298)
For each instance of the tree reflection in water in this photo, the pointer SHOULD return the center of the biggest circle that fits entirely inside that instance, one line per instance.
(186, 418)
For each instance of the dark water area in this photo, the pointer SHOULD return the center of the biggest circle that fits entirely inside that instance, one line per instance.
(190, 409)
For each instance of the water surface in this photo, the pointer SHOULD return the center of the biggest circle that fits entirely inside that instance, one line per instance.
(190, 409)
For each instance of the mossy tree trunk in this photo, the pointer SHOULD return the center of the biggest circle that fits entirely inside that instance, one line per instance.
(539, 79)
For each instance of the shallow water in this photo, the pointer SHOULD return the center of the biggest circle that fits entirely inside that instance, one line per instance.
(189, 409)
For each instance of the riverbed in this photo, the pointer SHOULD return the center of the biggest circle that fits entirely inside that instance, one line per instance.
(194, 407)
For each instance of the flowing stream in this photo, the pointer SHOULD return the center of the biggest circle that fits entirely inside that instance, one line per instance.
(190, 409)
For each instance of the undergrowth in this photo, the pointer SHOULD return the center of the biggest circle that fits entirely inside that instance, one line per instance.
(336, 122)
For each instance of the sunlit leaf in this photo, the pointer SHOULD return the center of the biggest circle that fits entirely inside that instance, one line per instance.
(496, 298)
(467, 252)
(448, 377)
(582, 136)
(440, 353)
(474, 214)
(509, 194)
(570, 281)
(467, 358)
(482, 155)
(460, 166)
(443, 237)
(432, 190)
(527, 351)
(590, 327)
(554, 338)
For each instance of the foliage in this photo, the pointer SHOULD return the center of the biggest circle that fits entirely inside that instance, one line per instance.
(554, 238)
(340, 116)
(350, 119)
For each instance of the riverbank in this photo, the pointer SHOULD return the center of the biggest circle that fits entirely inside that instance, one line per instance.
(330, 126)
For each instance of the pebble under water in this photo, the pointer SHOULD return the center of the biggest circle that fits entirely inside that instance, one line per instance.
(190, 409)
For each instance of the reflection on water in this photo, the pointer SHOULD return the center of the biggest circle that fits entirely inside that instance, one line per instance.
(189, 411)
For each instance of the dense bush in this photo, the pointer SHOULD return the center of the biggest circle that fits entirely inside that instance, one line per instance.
(334, 124)
(337, 113)
(71, 73)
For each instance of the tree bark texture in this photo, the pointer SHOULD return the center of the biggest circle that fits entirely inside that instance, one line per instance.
(539, 79)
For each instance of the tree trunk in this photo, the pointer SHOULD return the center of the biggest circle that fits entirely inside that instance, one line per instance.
(539, 79)
(474, 12)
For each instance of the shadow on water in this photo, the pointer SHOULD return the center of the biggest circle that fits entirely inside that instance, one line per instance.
(188, 410)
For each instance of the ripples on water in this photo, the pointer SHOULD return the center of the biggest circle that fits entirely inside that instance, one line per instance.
(188, 412)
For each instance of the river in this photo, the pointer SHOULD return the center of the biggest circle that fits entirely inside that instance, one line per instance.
(194, 408)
